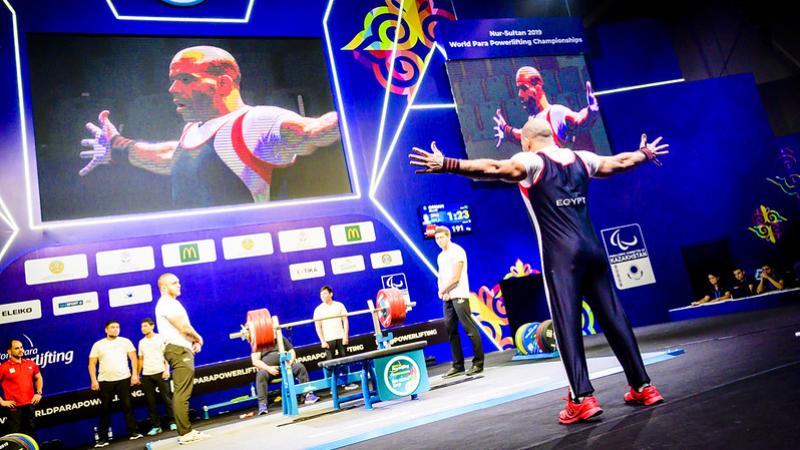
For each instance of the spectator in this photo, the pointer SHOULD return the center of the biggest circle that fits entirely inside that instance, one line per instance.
(769, 281)
(743, 286)
(715, 291)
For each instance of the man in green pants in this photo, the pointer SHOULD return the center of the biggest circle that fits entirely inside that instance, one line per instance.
(182, 342)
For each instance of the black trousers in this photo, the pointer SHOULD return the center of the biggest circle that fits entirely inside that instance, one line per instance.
(335, 348)
(149, 385)
(457, 310)
(263, 378)
(122, 389)
(569, 279)
(20, 420)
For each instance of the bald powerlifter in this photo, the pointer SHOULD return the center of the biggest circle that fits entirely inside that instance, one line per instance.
(554, 185)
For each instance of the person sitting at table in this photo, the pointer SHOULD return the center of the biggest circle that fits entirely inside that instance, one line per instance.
(715, 291)
(769, 280)
(743, 285)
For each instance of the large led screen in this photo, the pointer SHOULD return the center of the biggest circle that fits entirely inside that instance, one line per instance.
(495, 97)
(139, 124)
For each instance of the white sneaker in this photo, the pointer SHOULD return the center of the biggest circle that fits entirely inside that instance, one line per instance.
(192, 436)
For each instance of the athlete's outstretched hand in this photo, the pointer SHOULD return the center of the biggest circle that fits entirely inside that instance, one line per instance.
(499, 127)
(431, 162)
(100, 152)
(591, 99)
(652, 150)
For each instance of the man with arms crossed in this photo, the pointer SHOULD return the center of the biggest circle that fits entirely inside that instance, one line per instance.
(554, 185)
(454, 292)
(181, 343)
(115, 377)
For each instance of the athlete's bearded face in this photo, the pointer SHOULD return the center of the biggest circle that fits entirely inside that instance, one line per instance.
(194, 91)
(530, 91)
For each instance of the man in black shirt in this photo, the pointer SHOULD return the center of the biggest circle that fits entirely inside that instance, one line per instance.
(743, 286)
(268, 363)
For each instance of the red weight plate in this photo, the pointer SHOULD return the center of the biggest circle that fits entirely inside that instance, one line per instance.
(262, 333)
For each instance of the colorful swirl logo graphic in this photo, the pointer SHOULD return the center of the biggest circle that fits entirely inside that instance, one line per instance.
(372, 46)
(767, 224)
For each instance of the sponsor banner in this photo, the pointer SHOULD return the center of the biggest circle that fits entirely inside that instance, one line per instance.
(306, 270)
(59, 268)
(20, 311)
(125, 260)
(302, 239)
(499, 38)
(75, 303)
(130, 295)
(73, 406)
(247, 246)
(352, 233)
(627, 254)
(389, 258)
(186, 253)
(348, 264)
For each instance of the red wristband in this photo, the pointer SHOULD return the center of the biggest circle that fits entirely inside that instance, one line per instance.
(451, 165)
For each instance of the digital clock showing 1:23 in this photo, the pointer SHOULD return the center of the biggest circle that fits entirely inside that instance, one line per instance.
(454, 216)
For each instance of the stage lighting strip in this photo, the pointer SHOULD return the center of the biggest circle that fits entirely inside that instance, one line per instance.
(352, 169)
(386, 95)
(5, 215)
(244, 19)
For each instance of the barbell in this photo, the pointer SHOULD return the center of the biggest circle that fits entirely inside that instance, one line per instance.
(260, 329)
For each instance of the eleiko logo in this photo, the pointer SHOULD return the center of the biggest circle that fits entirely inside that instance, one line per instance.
(617, 241)
(189, 252)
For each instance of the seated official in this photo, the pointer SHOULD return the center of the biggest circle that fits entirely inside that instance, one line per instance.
(770, 281)
(268, 365)
(743, 285)
(715, 291)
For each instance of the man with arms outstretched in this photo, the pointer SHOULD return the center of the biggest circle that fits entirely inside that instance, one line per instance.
(554, 185)
(228, 150)
(563, 121)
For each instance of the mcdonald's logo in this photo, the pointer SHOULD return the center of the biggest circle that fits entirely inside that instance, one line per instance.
(189, 252)
(353, 233)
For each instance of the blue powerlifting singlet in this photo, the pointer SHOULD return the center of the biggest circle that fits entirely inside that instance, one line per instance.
(574, 266)
(200, 179)
(558, 200)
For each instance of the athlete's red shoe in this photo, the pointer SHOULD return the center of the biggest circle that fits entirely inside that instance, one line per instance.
(648, 396)
(584, 410)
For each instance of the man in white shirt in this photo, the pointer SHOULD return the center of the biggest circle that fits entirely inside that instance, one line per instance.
(333, 333)
(155, 373)
(115, 377)
(181, 343)
(454, 293)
